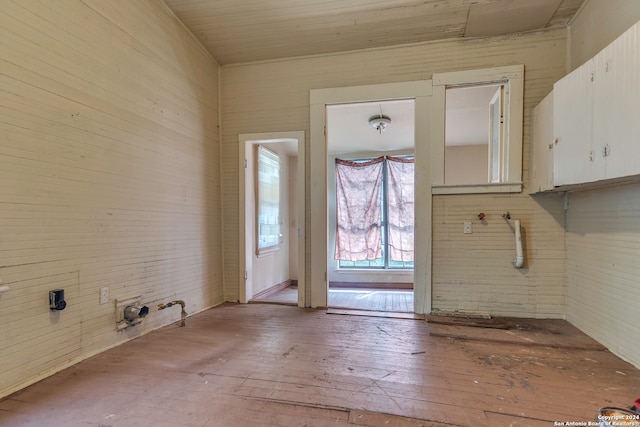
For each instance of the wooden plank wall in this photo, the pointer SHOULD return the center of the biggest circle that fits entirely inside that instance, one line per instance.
(603, 232)
(603, 249)
(109, 154)
(598, 23)
(274, 96)
(474, 272)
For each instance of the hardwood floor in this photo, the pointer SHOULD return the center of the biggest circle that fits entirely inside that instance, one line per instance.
(384, 300)
(372, 299)
(273, 365)
(287, 296)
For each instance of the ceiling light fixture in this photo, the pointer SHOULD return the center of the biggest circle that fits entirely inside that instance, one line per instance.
(380, 122)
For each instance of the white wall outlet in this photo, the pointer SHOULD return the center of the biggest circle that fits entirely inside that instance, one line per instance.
(467, 228)
(104, 295)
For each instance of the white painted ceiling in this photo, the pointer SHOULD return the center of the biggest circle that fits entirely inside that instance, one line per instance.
(467, 122)
(348, 129)
(467, 115)
(237, 31)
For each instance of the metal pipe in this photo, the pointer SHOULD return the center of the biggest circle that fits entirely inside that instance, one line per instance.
(519, 262)
(183, 313)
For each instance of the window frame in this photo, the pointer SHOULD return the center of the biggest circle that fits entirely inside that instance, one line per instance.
(496, 124)
(512, 77)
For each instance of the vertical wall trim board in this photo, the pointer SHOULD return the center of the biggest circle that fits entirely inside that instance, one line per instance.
(220, 187)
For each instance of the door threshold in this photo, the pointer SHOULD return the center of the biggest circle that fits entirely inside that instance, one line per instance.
(371, 313)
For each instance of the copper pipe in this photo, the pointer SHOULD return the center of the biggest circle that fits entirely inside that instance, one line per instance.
(183, 313)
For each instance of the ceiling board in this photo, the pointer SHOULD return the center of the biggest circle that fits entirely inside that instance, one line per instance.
(237, 31)
(509, 16)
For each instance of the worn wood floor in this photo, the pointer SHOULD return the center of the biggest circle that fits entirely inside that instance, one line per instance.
(385, 300)
(273, 365)
(372, 299)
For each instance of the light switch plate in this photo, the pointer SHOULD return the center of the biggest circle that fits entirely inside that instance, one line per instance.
(467, 228)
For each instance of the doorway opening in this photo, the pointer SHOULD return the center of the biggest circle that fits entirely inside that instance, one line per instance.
(370, 200)
(317, 263)
(272, 249)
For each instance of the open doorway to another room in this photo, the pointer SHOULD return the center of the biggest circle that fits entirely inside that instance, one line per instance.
(474, 152)
(272, 252)
(370, 199)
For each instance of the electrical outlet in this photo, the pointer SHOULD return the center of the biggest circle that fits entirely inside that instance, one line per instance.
(104, 295)
(467, 228)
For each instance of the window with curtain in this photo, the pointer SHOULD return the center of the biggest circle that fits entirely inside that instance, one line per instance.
(375, 212)
(268, 200)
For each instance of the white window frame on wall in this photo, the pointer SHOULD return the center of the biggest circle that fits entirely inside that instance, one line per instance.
(267, 242)
(512, 79)
(496, 132)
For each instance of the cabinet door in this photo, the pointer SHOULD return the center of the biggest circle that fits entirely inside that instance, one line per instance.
(616, 108)
(573, 113)
(542, 146)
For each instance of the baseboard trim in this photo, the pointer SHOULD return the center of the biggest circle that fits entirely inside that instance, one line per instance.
(276, 288)
(371, 285)
(371, 313)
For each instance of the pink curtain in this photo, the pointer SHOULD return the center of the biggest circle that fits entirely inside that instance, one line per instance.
(358, 187)
(400, 195)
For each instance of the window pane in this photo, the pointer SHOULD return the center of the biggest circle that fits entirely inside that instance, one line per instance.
(400, 209)
(358, 210)
(371, 186)
(268, 189)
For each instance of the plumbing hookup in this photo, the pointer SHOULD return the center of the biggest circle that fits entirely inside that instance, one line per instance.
(183, 313)
(519, 261)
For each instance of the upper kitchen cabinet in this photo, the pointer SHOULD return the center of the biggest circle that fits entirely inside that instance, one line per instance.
(573, 159)
(595, 120)
(541, 171)
(616, 105)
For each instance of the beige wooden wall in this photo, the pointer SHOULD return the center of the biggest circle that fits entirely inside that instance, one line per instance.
(466, 164)
(473, 273)
(603, 249)
(598, 23)
(603, 231)
(109, 155)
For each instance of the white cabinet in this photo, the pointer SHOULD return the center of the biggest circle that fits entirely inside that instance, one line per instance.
(574, 160)
(616, 108)
(596, 116)
(541, 171)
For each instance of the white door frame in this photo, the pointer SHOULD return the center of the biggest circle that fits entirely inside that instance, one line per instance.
(421, 92)
(246, 142)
